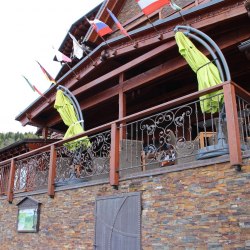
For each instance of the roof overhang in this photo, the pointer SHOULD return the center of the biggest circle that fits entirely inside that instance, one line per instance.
(123, 47)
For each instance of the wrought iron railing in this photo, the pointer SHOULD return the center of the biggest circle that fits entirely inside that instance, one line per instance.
(83, 159)
(177, 135)
(4, 178)
(31, 173)
(243, 108)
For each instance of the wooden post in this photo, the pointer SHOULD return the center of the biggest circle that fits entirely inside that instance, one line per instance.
(232, 125)
(10, 193)
(52, 172)
(114, 156)
(122, 106)
(45, 132)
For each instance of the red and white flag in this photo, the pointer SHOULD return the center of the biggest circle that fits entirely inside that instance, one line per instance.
(150, 6)
(60, 57)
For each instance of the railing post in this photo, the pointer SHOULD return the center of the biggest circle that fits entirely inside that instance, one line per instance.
(2, 181)
(52, 172)
(232, 125)
(114, 156)
(10, 193)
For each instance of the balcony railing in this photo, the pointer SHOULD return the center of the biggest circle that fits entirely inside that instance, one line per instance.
(4, 178)
(176, 132)
(31, 173)
(84, 159)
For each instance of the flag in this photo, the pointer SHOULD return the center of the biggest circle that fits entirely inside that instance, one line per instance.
(100, 27)
(29, 83)
(174, 6)
(150, 6)
(118, 24)
(61, 57)
(39, 92)
(77, 48)
(34, 88)
(48, 76)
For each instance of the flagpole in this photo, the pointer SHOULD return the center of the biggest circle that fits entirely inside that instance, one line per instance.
(106, 42)
(89, 57)
(183, 18)
(151, 24)
(131, 39)
(177, 8)
(77, 77)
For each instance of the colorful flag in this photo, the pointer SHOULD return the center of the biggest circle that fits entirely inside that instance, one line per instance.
(61, 57)
(48, 76)
(39, 92)
(118, 24)
(100, 27)
(174, 6)
(29, 83)
(150, 6)
(77, 48)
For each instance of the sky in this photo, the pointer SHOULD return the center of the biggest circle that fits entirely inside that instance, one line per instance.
(29, 29)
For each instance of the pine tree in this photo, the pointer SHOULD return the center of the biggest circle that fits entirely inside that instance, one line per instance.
(9, 138)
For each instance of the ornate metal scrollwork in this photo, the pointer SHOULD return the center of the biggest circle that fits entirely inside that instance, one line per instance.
(4, 178)
(166, 131)
(82, 161)
(32, 172)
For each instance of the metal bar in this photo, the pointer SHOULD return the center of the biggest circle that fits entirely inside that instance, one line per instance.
(114, 156)
(52, 172)
(232, 125)
(217, 62)
(213, 44)
(74, 103)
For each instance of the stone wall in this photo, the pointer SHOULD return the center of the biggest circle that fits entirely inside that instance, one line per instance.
(200, 208)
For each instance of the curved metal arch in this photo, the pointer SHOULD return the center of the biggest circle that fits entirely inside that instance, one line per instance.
(74, 103)
(215, 59)
(221, 147)
(211, 42)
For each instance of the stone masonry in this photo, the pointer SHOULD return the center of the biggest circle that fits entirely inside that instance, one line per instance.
(200, 208)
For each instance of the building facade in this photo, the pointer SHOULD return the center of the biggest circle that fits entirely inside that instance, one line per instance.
(160, 172)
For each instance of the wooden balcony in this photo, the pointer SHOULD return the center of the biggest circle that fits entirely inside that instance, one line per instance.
(174, 134)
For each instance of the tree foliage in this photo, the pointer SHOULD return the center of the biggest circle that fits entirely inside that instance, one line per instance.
(11, 137)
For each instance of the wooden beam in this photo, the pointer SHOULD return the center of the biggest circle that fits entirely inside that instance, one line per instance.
(122, 98)
(139, 60)
(122, 106)
(10, 193)
(45, 132)
(225, 15)
(52, 172)
(114, 156)
(233, 128)
(242, 92)
(103, 78)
